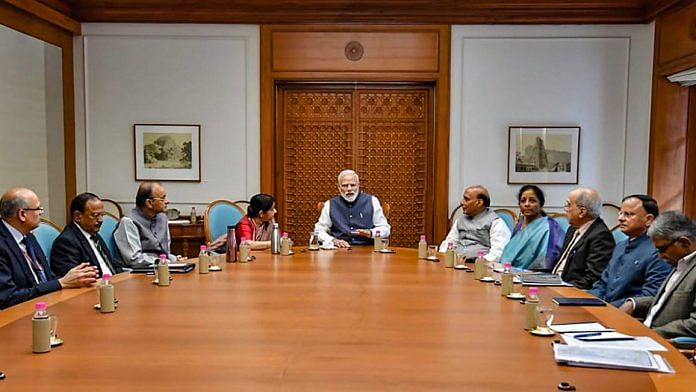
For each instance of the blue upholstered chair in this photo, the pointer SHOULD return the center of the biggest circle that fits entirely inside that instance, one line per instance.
(618, 235)
(218, 215)
(562, 220)
(508, 216)
(45, 234)
(106, 231)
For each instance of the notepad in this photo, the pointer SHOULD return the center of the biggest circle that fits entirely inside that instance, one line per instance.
(611, 358)
(563, 301)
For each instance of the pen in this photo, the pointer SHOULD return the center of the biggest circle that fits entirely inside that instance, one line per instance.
(586, 335)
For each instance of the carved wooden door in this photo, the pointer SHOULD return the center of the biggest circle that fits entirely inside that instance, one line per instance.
(382, 132)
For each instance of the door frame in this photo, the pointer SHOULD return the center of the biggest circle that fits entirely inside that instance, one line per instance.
(439, 77)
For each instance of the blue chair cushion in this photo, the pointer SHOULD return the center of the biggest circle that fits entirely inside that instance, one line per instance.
(45, 234)
(563, 222)
(507, 219)
(220, 216)
(106, 231)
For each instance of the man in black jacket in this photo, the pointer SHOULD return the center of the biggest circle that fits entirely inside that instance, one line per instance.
(80, 241)
(588, 243)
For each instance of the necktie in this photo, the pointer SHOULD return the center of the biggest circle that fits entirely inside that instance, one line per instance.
(30, 255)
(560, 266)
(103, 254)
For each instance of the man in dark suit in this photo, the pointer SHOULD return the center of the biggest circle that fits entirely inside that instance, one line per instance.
(672, 311)
(588, 243)
(80, 240)
(24, 272)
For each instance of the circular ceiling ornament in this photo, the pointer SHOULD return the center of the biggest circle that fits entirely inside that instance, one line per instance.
(354, 51)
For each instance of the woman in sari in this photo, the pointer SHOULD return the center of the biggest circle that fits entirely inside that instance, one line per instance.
(256, 226)
(537, 239)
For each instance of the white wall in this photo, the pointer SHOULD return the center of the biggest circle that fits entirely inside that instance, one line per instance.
(31, 120)
(168, 74)
(595, 77)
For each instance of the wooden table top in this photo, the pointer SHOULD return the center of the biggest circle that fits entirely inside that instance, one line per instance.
(330, 320)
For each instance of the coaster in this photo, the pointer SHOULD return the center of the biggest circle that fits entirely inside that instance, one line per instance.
(98, 306)
(461, 267)
(386, 251)
(434, 259)
(515, 296)
(214, 268)
(542, 332)
(56, 341)
(487, 279)
(289, 254)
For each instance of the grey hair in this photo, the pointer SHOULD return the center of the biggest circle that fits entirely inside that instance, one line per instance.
(672, 225)
(10, 206)
(589, 198)
(347, 172)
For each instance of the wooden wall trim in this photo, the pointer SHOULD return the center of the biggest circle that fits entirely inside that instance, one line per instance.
(48, 14)
(36, 27)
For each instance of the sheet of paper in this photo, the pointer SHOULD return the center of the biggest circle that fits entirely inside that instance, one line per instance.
(639, 343)
(580, 327)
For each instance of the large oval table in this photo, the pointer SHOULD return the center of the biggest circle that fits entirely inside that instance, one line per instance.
(315, 321)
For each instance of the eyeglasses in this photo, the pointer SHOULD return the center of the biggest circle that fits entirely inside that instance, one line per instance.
(159, 198)
(663, 248)
(39, 209)
(569, 204)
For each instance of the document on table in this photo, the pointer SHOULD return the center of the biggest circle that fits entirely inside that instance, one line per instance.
(580, 327)
(612, 340)
(611, 358)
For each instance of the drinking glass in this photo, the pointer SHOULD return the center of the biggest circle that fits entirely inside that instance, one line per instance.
(432, 251)
(460, 259)
(53, 319)
(544, 316)
(385, 243)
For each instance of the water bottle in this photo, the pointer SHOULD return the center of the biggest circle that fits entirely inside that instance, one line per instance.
(506, 280)
(449, 255)
(314, 241)
(275, 239)
(530, 308)
(422, 248)
(41, 329)
(193, 217)
(378, 241)
(480, 266)
(203, 260)
(285, 244)
(231, 255)
(244, 249)
(107, 303)
(163, 270)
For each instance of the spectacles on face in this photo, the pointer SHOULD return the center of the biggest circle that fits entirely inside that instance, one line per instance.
(163, 198)
(665, 247)
(39, 209)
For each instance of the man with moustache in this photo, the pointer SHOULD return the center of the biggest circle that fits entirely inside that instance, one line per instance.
(80, 240)
(353, 217)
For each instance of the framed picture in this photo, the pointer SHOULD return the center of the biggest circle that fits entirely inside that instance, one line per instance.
(543, 155)
(167, 152)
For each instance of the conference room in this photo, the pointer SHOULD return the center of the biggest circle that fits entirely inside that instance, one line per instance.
(420, 99)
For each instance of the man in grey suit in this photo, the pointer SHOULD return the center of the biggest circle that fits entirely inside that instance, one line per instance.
(672, 312)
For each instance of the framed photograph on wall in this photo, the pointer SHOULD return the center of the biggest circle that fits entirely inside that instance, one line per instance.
(167, 152)
(543, 155)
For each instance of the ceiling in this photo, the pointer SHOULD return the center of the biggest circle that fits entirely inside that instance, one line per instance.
(363, 11)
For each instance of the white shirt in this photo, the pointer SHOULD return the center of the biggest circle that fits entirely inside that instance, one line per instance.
(102, 264)
(566, 252)
(379, 221)
(682, 265)
(499, 235)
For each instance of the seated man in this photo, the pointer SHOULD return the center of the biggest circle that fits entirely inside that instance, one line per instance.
(353, 218)
(479, 228)
(80, 240)
(672, 311)
(143, 233)
(588, 243)
(635, 268)
(24, 272)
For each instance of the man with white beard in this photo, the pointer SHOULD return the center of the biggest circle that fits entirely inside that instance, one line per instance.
(353, 217)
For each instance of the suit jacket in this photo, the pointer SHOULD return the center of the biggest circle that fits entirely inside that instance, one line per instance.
(589, 256)
(72, 248)
(677, 317)
(17, 282)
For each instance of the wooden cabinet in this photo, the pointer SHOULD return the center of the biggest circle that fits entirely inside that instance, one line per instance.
(187, 238)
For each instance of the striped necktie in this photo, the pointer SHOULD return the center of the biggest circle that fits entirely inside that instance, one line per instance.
(30, 255)
(103, 254)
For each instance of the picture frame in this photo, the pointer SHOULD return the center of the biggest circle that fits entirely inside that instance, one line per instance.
(543, 155)
(167, 152)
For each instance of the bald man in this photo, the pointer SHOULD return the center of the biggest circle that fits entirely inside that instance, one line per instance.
(478, 228)
(24, 272)
(588, 244)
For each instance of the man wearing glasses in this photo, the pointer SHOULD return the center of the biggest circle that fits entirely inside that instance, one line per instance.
(143, 234)
(672, 312)
(80, 240)
(24, 272)
(588, 244)
(353, 217)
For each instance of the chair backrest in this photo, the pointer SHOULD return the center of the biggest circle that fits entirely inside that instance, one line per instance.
(106, 231)
(561, 219)
(508, 216)
(454, 215)
(218, 215)
(113, 208)
(618, 234)
(610, 215)
(386, 208)
(243, 204)
(45, 234)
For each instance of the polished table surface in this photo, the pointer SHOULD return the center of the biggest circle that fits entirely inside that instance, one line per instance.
(328, 320)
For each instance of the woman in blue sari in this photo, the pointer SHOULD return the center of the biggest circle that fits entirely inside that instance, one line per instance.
(536, 239)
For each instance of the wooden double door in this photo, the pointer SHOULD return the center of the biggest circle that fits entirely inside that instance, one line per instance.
(383, 132)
